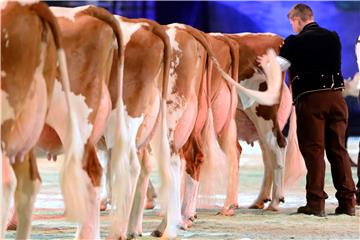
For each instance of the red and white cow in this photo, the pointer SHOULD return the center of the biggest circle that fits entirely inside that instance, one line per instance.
(216, 121)
(92, 37)
(139, 116)
(200, 152)
(269, 121)
(90, 60)
(31, 45)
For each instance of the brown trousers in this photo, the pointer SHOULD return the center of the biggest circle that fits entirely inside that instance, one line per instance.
(321, 123)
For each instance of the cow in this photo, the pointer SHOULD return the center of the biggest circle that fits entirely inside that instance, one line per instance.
(92, 37)
(240, 56)
(217, 122)
(265, 119)
(139, 115)
(90, 62)
(31, 45)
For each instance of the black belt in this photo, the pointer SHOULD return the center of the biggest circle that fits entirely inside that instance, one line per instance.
(314, 82)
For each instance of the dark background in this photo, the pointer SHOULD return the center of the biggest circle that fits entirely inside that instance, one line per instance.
(250, 16)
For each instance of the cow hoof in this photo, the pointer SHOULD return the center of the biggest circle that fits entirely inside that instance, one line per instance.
(282, 200)
(235, 206)
(192, 218)
(267, 200)
(227, 212)
(134, 235)
(257, 206)
(149, 205)
(11, 226)
(184, 226)
(156, 233)
(103, 205)
(273, 208)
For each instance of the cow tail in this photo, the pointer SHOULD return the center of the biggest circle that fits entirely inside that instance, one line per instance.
(269, 97)
(158, 30)
(234, 52)
(161, 146)
(74, 179)
(111, 20)
(294, 162)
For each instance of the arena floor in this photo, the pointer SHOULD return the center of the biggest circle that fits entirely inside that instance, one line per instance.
(48, 222)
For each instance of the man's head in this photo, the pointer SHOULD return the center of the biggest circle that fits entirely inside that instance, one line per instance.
(300, 15)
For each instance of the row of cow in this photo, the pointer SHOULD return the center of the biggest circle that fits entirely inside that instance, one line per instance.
(80, 80)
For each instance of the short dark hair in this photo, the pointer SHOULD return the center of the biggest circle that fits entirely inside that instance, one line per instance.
(301, 10)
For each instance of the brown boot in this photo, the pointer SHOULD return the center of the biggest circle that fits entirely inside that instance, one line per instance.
(311, 211)
(345, 210)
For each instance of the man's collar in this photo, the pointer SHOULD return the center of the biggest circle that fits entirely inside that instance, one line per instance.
(309, 26)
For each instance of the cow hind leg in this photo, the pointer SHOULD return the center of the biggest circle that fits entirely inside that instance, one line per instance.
(169, 171)
(136, 215)
(90, 228)
(12, 223)
(278, 178)
(28, 185)
(264, 194)
(169, 225)
(174, 205)
(125, 170)
(8, 181)
(188, 207)
(105, 194)
(228, 142)
(159, 232)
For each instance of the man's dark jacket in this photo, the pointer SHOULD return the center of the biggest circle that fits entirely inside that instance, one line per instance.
(315, 57)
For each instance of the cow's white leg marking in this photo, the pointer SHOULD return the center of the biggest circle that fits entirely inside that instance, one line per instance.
(105, 190)
(189, 200)
(90, 229)
(136, 216)
(273, 157)
(125, 162)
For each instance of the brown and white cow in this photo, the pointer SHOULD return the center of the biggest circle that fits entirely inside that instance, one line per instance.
(269, 121)
(140, 116)
(92, 37)
(30, 45)
(88, 35)
(216, 121)
(238, 56)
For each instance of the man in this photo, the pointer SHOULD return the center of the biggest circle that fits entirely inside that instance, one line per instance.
(322, 115)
